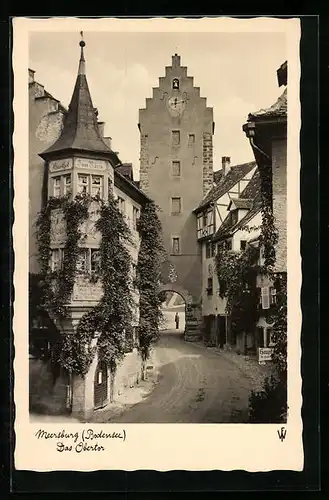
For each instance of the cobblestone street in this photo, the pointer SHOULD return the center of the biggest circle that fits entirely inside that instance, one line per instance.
(194, 385)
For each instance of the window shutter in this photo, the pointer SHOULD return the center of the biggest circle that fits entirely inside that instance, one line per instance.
(265, 297)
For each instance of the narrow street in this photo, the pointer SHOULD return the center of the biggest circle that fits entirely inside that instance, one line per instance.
(195, 385)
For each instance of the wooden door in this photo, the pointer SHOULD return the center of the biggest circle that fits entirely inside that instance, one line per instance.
(101, 385)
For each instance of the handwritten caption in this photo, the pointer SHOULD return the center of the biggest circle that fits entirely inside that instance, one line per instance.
(78, 442)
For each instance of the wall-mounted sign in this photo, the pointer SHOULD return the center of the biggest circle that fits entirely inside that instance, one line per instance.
(57, 165)
(87, 164)
(264, 354)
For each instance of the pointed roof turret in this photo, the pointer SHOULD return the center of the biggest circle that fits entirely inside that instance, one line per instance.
(81, 130)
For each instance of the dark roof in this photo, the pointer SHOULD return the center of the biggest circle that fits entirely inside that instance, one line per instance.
(228, 229)
(130, 187)
(126, 169)
(80, 131)
(253, 187)
(282, 74)
(226, 182)
(277, 110)
(218, 175)
(243, 203)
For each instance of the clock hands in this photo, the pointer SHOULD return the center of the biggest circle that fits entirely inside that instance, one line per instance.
(178, 101)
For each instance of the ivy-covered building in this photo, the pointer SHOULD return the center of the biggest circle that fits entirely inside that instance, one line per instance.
(224, 206)
(84, 247)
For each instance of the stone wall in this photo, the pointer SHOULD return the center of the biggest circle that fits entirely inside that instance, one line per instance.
(208, 173)
(128, 373)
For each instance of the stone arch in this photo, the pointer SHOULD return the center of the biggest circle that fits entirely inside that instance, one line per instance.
(175, 287)
(193, 318)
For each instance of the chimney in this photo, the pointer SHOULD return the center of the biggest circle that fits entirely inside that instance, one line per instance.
(226, 164)
(101, 126)
(31, 76)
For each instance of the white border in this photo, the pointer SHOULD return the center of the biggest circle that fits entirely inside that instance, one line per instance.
(161, 447)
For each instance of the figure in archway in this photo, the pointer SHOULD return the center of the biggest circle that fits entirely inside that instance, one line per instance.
(177, 320)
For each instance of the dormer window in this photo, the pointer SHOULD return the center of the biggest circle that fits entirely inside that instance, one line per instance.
(175, 83)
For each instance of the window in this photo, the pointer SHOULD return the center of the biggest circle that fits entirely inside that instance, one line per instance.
(261, 256)
(243, 244)
(135, 217)
(83, 184)
(175, 136)
(205, 223)
(210, 250)
(176, 246)
(95, 260)
(265, 297)
(272, 295)
(234, 216)
(110, 186)
(57, 187)
(56, 259)
(175, 206)
(228, 245)
(67, 185)
(96, 185)
(209, 287)
(175, 83)
(122, 205)
(176, 168)
(90, 184)
(82, 263)
(269, 337)
(191, 139)
(214, 249)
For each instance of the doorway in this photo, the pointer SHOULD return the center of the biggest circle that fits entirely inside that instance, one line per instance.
(173, 311)
(101, 385)
(221, 331)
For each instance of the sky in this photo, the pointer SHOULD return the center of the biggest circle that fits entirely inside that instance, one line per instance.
(236, 72)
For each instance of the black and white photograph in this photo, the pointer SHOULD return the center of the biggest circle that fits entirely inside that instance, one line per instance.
(158, 242)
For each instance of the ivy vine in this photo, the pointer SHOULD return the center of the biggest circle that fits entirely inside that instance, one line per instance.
(237, 275)
(58, 285)
(150, 258)
(111, 317)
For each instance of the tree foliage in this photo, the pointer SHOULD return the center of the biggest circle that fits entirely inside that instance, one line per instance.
(150, 258)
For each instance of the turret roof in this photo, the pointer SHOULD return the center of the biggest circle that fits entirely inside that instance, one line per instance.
(80, 131)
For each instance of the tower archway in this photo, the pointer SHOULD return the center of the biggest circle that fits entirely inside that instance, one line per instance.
(192, 311)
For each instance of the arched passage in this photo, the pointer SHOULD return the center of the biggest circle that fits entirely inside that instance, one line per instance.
(192, 311)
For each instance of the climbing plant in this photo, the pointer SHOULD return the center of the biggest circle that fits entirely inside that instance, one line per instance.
(58, 284)
(111, 317)
(237, 274)
(269, 234)
(150, 258)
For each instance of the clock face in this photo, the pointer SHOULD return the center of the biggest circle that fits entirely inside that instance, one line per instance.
(176, 105)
